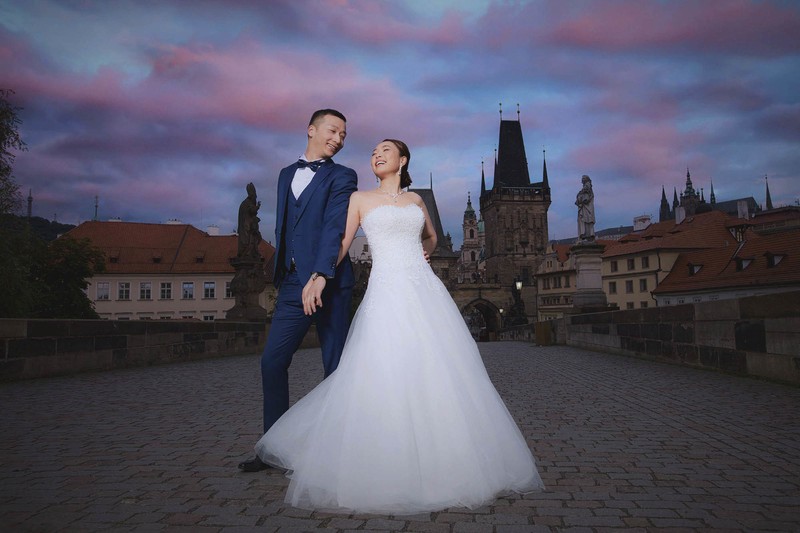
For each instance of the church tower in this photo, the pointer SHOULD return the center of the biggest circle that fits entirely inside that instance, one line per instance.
(471, 249)
(689, 198)
(514, 211)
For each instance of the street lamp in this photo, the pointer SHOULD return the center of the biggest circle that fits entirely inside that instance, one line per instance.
(518, 284)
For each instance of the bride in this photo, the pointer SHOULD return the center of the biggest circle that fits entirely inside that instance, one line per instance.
(410, 421)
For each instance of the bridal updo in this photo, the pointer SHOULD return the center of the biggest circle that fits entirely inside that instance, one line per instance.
(405, 177)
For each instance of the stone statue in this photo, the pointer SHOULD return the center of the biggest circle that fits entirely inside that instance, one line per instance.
(585, 203)
(249, 234)
(250, 280)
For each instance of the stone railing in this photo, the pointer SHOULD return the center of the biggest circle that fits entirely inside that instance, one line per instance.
(757, 336)
(40, 348)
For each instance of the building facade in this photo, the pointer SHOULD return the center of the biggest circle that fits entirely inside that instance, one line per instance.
(165, 271)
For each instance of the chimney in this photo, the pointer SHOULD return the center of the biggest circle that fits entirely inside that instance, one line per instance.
(741, 208)
(641, 222)
(174, 221)
(115, 219)
(680, 214)
(213, 230)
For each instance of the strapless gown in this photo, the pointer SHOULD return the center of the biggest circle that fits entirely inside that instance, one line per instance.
(410, 421)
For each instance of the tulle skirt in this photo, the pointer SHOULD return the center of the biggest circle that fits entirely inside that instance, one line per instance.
(409, 422)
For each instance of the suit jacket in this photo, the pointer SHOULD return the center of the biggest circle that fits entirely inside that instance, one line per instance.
(320, 224)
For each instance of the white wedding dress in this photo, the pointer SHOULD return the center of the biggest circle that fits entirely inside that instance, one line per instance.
(409, 422)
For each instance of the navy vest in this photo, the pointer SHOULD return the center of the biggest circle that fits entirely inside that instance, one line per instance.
(292, 211)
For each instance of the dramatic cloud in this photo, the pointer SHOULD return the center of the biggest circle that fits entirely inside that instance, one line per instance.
(167, 109)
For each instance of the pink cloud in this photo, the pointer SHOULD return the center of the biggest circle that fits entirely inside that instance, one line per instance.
(741, 27)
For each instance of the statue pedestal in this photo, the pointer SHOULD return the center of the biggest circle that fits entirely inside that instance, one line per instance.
(589, 295)
(247, 284)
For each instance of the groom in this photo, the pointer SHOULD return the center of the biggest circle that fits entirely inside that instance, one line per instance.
(313, 196)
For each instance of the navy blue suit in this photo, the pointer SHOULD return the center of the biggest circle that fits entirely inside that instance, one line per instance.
(309, 230)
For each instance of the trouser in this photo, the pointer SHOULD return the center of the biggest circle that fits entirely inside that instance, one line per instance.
(289, 327)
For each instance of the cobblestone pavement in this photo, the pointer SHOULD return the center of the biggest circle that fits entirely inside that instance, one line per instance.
(621, 444)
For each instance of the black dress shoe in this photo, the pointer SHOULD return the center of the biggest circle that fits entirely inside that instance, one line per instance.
(253, 465)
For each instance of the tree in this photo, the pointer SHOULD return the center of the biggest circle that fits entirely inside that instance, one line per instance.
(63, 271)
(10, 197)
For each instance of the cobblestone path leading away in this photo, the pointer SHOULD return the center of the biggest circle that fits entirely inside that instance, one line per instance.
(621, 444)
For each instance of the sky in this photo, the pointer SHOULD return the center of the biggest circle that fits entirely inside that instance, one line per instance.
(166, 109)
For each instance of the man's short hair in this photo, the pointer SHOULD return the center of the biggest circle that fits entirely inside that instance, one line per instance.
(319, 114)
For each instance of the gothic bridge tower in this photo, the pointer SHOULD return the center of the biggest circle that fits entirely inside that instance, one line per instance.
(514, 211)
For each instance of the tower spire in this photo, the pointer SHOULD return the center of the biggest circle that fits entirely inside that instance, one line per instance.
(483, 180)
(769, 198)
(712, 198)
(517, 111)
(501, 111)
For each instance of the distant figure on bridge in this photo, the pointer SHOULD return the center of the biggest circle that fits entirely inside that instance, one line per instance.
(585, 203)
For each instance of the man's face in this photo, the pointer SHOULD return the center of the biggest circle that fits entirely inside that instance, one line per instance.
(326, 137)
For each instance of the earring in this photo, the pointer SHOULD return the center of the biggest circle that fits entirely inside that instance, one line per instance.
(400, 171)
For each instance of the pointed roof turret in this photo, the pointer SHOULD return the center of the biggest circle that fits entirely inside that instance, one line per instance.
(675, 202)
(712, 198)
(483, 181)
(512, 163)
(545, 183)
(769, 198)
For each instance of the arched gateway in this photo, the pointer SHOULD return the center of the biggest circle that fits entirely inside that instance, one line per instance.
(482, 318)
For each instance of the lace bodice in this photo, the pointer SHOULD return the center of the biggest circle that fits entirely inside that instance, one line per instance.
(394, 236)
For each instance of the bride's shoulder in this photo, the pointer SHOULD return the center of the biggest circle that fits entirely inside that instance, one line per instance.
(416, 198)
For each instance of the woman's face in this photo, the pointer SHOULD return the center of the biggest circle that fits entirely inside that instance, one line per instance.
(386, 159)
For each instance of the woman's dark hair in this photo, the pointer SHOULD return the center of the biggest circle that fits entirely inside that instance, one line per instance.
(405, 177)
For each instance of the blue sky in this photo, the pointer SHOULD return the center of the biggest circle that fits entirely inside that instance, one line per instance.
(167, 109)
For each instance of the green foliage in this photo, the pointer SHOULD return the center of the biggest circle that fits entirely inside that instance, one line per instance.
(46, 280)
(10, 197)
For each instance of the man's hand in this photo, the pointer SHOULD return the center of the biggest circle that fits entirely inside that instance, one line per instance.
(312, 294)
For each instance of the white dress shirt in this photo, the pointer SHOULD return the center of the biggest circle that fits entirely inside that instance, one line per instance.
(302, 177)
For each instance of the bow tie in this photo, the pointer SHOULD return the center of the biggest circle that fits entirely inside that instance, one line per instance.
(313, 165)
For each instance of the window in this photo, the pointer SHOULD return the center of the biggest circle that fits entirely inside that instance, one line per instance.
(557, 282)
(681, 300)
(643, 305)
(208, 317)
(629, 305)
(124, 290)
(209, 289)
(472, 256)
(631, 264)
(612, 287)
(103, 290)
(742, 263)
(472, 234)
(614, 267)
(145, 290)
(566, 281)
(643, 285)
(697, 299)
(646, 262)
(187, 292)
(546, 283)
(694, 269)
(228, 291)
(166, 290)
(773, 259)
(629, 286)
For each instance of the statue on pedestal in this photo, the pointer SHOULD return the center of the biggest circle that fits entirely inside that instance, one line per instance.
(585, 203)
(249, 281)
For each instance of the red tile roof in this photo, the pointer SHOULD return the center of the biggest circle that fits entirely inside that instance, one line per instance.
(720, 268)
(142, 248)
(706, 230)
